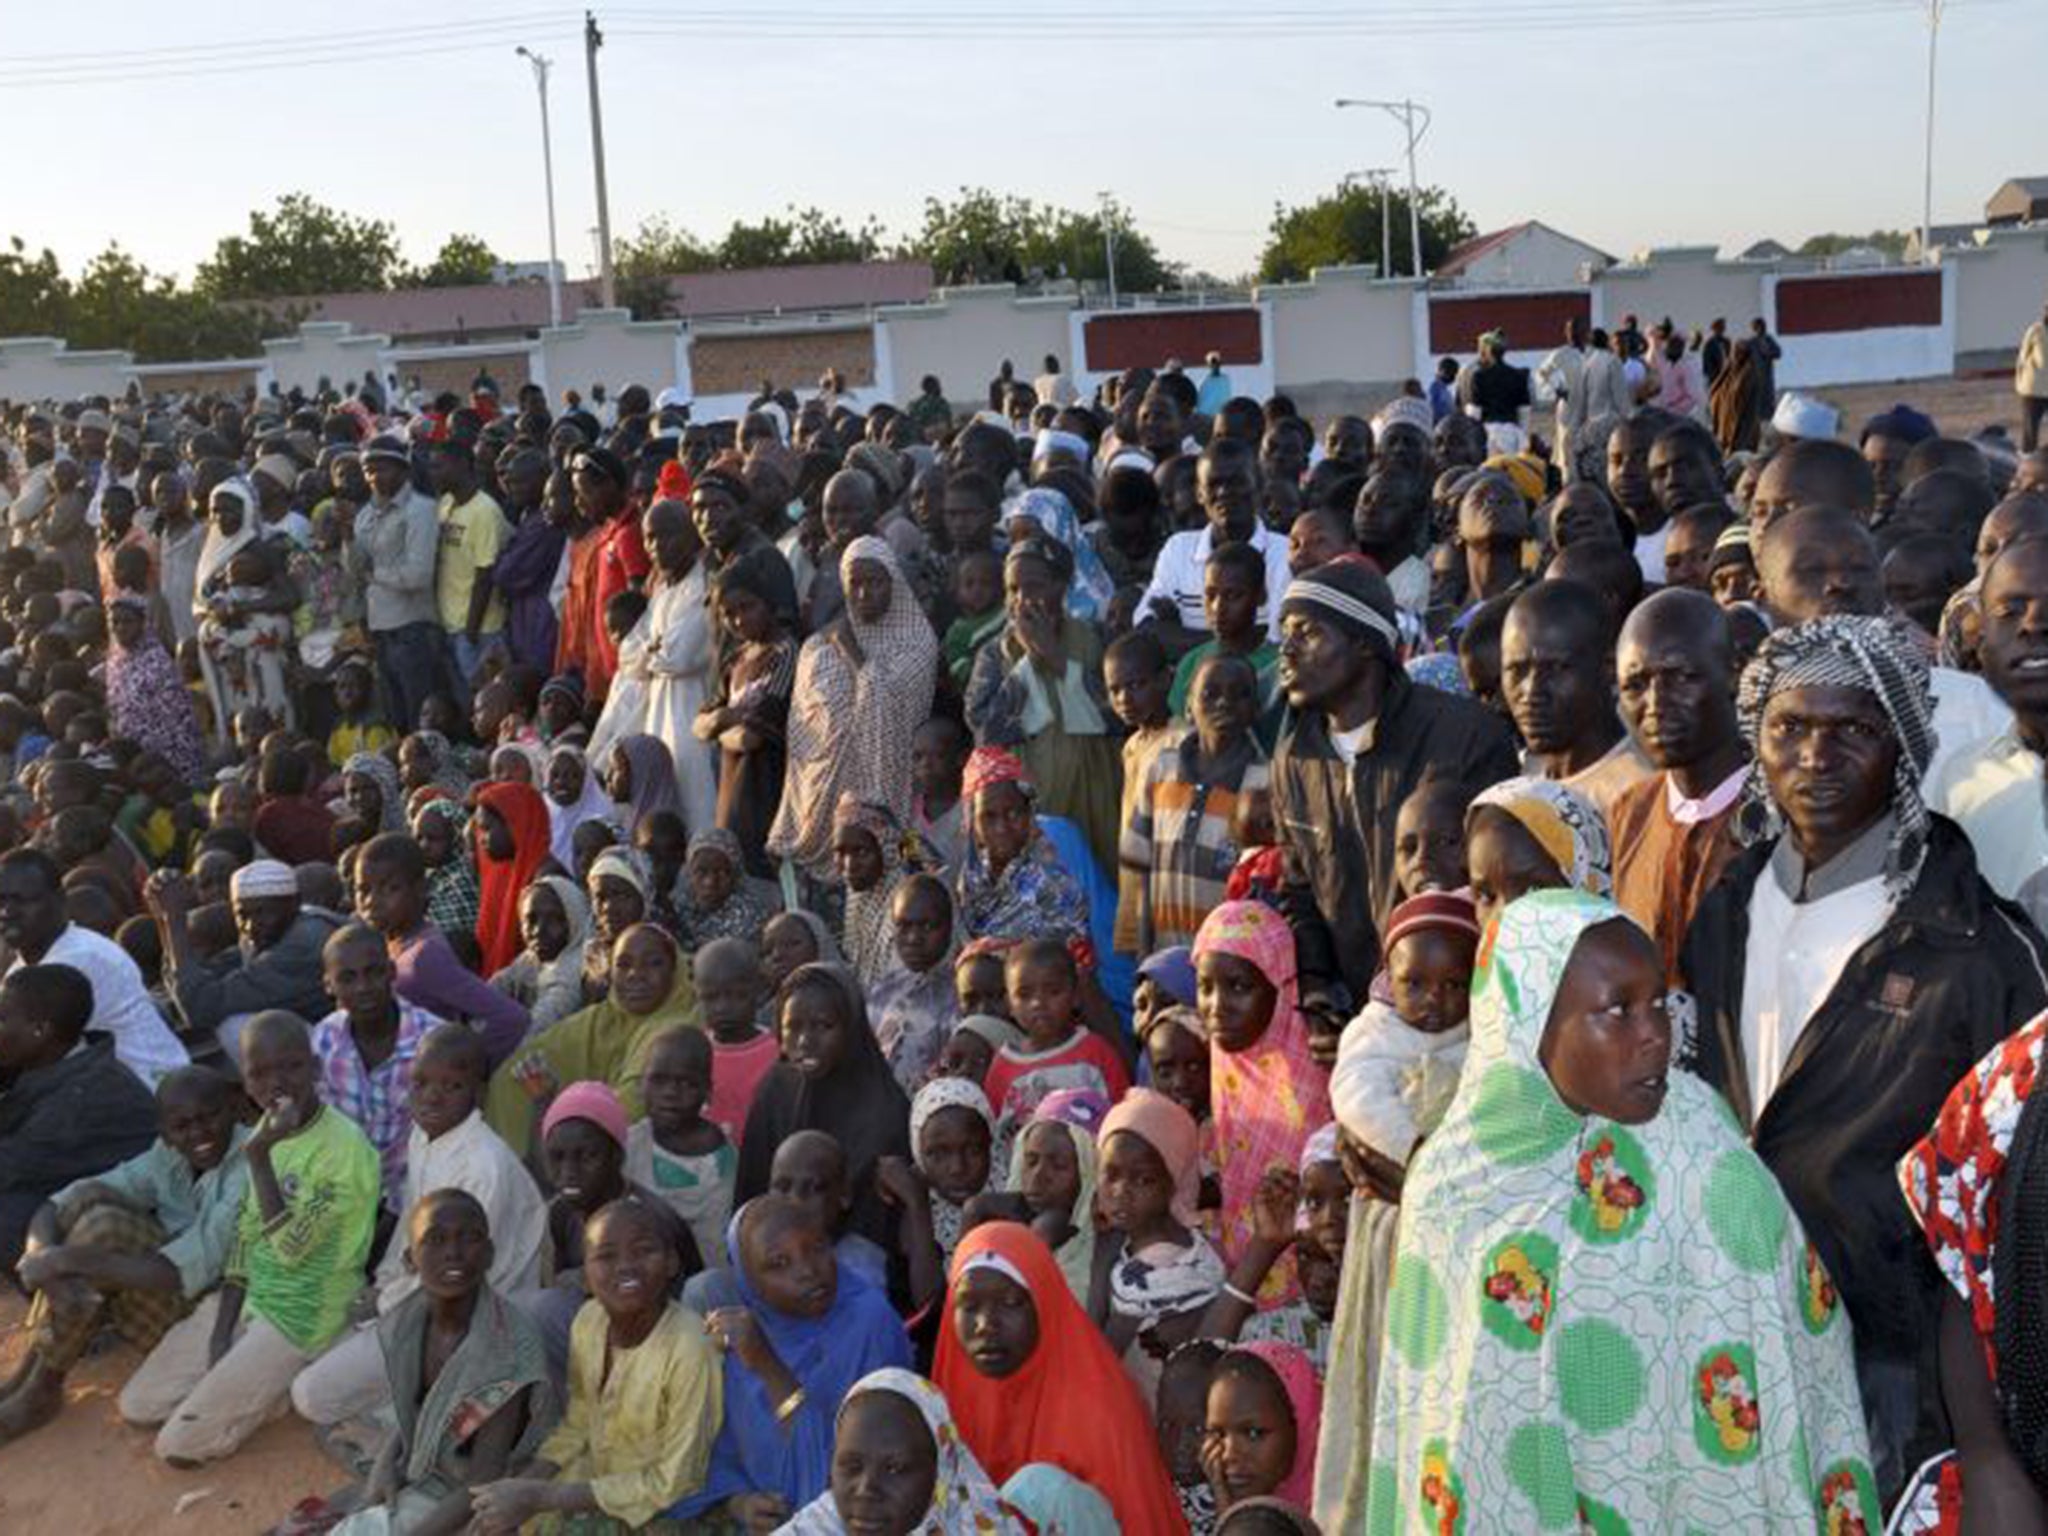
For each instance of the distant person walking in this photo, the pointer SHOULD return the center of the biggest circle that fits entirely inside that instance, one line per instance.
(2030, 379)
(1215, 391)
(1765, 352)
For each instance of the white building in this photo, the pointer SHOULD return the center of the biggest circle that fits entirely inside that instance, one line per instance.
(1525, 255)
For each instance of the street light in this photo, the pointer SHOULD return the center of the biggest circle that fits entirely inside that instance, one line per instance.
(1109, 241)
(1407, 112)
(541, 66)
(1927, 191)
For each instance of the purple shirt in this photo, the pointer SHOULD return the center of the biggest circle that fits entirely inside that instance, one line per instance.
(430, 977)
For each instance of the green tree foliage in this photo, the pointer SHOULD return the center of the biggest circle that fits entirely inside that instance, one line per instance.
(1891, 241)
(1342, 228)
(301, 247)
(804, 237)
(116, 302)
(463, 259)
(643, 261)
(980, 237)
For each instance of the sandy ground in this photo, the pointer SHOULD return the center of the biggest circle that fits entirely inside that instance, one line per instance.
(1962, 406)
(88, 1474)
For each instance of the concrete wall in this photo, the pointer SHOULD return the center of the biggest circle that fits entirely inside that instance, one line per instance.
(325, 349)
(610, 347)
(1343, 327)
(1687, 283)
(2000, 288)
(43, 368)
(962, 336)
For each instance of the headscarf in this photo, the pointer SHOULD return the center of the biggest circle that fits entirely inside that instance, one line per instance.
(987, 1027)
(593, 804)
(858, 1104)
(1090, 589)
(587, 1100)
(849, 727)
(964, 1500)
(446, 764)
(218, 548)
(1076, 1256)
(575, 908)
(1057, 1503)
(1170, 1131)
(147, 702)
(948, 1093)
(1411, 410)
(652, 768)
(1874, 655)
(1172, 971)
(990, 766)
(1069, 1404)
(1524, 471)
(1267, 1099)
(869, 933)
(1564, 824)
(499, 882)
(376, 766)
(1601, 1321)
(757, 1451)
(1297, 1378)
(526, 752)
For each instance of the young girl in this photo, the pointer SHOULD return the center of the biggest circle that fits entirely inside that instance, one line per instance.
(1181, 1416)
(358, 727)
(1177, 1059)
(719, 901)
(1264, 1412)
(971, 1048)
(1163, 1273)
(643, 1392)
(793, 939)
(913, 1001)
(805, 1329)
(574, 797)
(453, 893)
(1268, 1093)
(978, 979)
(1053, 1171)
(868, 852)
(951, 1132)
(511, 846)
(468, 1376)
(546, 976)
(675, 1151)
(750, 717)
(1058, 1052)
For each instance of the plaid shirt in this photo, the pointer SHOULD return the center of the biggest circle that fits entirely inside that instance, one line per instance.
(454, 897)
(1178, 843)
(376, 1098)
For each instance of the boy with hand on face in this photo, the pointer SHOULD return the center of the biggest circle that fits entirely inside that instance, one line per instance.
(135, 1246)
(302, 1236)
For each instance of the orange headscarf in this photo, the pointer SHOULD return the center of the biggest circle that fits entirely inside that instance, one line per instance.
(499, 881)
(1070, 1404)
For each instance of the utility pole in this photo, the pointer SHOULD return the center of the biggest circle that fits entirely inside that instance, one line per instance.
(1927, 191)
(607, 293)
(1109, 242)
(1415, 119)
(541, 66)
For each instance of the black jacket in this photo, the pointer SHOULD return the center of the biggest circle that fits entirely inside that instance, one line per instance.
(1336, 823)
(1955, 971)
(70, 1120)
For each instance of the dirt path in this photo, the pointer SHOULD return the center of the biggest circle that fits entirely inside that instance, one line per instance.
(88, 1474)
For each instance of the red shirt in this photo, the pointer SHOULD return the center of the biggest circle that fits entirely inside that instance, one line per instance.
(621, 561)
(1019, 1079)
(736, 1071)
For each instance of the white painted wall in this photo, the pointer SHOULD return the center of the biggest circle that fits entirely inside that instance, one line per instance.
(1537, 257)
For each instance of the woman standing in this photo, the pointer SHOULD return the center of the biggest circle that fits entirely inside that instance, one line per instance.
(243, 601)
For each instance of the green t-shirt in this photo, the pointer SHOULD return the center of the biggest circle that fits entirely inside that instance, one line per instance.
(301, 1271)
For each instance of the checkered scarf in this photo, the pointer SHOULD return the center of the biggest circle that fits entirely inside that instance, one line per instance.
(1879, 656)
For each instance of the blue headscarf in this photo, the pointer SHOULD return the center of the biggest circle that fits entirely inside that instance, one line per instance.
(859, 1333)
(1090, 590)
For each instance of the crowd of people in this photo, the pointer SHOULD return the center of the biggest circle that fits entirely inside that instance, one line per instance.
(1119, 963)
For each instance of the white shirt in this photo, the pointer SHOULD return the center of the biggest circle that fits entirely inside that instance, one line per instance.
(1649, 554)
(1798, 949)
(1177, 575)
(120, 1002)
(1994, 792)
(1967, 713)
(474, 1159)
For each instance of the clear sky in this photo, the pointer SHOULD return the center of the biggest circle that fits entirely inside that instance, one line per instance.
(1624, 122)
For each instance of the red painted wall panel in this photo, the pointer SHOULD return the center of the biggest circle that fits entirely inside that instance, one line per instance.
(1532, 320)
(1144, 339)
(1813, 306)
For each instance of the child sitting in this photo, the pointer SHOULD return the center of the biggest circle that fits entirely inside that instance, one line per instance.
(810, 1169)
(719, 901)
(358, 726)
(643, 1391)
(546, 977)
(978, 598)
(1265, 1412)
(1178, 843)
(68, 1108)
(729, 994)
(675, 1151)
(366, 1046)
(938, 758)
(449, 1147)
(1058, 1051)
(135, 1246)
(454, 893)
(302, 1238)
(1163, 1272)
(1181, 1413)
(466, 1374)
(952, 1131)
(912, 1003)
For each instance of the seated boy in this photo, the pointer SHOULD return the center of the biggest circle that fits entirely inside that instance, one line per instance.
(135, 1247)
(301, 1242)
(449, 1148)
(68, 1108)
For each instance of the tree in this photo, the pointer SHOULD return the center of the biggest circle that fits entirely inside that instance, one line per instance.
(34, 295)
(1342, 228)
(118, 302)
(806, 237)
(985, 238)
(643, 262)
(463, 259)
(1891, 241)
(303, 247)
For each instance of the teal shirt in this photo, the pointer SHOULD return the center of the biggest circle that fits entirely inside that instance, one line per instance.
(301, 1270)
(199, 1213)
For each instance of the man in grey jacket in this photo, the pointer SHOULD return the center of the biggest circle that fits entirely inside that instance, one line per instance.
(396, 539)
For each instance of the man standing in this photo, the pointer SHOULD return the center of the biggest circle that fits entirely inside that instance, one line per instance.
(1215, 391)
(1764, 348)
(1227, 483)
(1673, 833)
(1499, 389)
(1849, 968)
(472, 530)
(1604, 387)
(1714, 354)
(1053, 387)
(2030, 379)
(1562, 377)
(1360, 739)
(1557, 675)
(393, 551)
